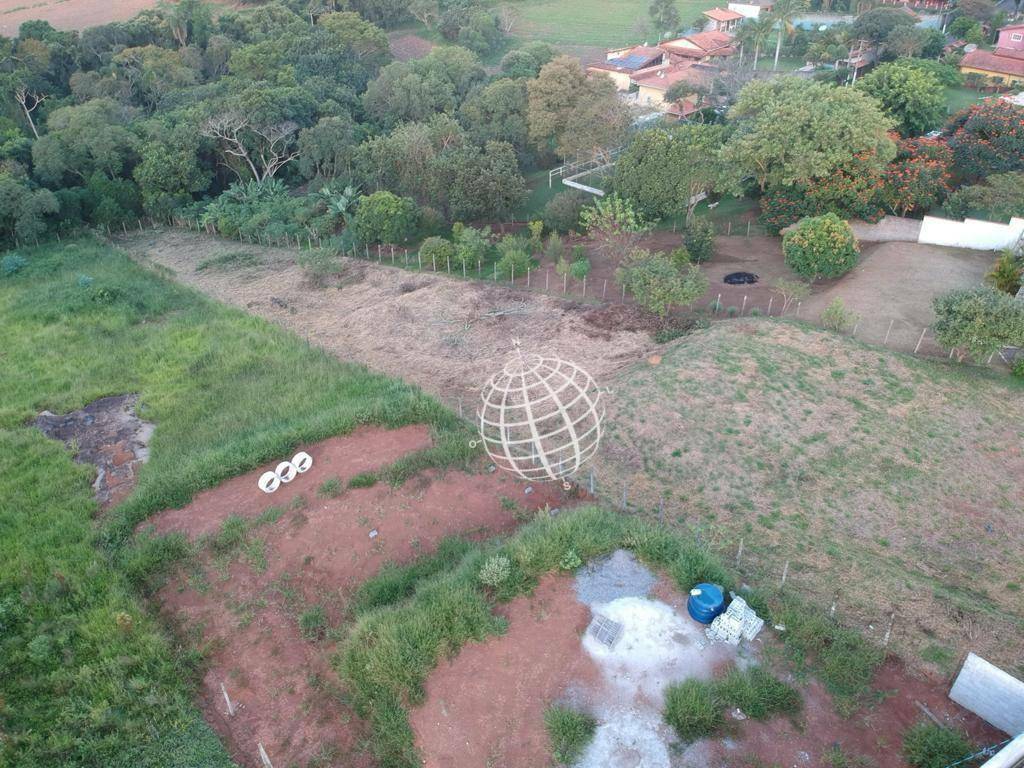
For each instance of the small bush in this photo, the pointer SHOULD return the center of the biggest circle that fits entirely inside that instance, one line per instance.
(837, 317)
(821, 246)
(699, 239)
(692, 709)
(927, 745)
(579, 269)
(1007, 273)
(385, 218)
(554, 248)
(515, 259)
(12, 263)
(681, 257)
(329, 488)
(495, 571)
(569, 731)
(656, 282)
(570, 561)
(562, 212)
(437, 251)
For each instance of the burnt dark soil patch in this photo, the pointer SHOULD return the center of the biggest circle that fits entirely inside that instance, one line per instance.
(108, 434)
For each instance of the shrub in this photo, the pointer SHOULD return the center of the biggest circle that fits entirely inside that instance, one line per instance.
(562, 212)
(1007, 272)
(472, 246)
(782, 206)
(515, 256)
(927, 745)
(554, 248)
(495, 571)
(569, 731)
(699, 239)
(12, 263)
(791, 291)
(570, 561)
(821, 246)
(385, 218)
(437, 251)
(680, 257)
(979, 321)
(837, 317)
(1018, 367)
(656, 282)
(579, 268)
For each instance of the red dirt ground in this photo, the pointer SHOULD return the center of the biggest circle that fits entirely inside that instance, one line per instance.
(874, 732)
(242, 608)
(486, 706)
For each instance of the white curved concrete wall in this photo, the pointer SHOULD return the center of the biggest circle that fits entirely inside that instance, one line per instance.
(971, 233)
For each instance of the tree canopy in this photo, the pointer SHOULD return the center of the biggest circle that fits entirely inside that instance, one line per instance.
(791, 131)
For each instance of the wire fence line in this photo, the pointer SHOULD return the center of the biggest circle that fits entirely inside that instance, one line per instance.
(891, 333)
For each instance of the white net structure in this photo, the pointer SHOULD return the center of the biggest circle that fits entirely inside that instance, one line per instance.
(541, 417)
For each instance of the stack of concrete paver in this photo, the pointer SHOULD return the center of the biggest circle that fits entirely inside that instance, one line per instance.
(739, 621)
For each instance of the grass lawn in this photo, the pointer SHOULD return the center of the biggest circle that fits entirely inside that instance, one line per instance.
(540, 194)
(86, 676)
(961, 98)
(871, 473)
(601, 23)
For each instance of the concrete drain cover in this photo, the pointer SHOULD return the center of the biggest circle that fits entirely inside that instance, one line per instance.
(605, 630)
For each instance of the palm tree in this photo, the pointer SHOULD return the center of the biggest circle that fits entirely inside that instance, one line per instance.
(755, 32)
(783, 14)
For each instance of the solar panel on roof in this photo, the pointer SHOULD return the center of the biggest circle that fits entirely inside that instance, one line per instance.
(633, 61)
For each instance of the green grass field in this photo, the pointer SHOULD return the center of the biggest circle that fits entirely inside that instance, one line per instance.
(961, 98)
(600, 23)
(87, 678)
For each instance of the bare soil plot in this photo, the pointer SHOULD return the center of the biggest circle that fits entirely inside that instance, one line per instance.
(892, 483)
(68, 14)
(263, 606)
(406, 46)
(897, 281)
(446, 335)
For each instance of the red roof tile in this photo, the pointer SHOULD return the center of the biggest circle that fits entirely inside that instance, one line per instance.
(722, 14)
(1000, 62)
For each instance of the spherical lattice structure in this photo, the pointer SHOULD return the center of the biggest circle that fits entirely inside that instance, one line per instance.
(541, 417)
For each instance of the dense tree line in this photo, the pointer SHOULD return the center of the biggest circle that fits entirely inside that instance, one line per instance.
(160, 115)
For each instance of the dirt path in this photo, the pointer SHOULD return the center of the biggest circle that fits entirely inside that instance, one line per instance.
(446, 335)
(265, 605)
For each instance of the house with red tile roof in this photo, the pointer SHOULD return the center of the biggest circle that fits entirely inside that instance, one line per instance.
(699, 46)
(621, 63)
(723, 20)
(1004, 64)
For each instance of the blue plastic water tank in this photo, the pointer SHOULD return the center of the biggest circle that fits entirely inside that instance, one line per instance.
(706, 602)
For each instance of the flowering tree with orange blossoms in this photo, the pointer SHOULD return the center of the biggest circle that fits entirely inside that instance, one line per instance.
(987, 138)
(919, 178)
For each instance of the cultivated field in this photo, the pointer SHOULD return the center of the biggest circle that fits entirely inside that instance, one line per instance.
(873, 473)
